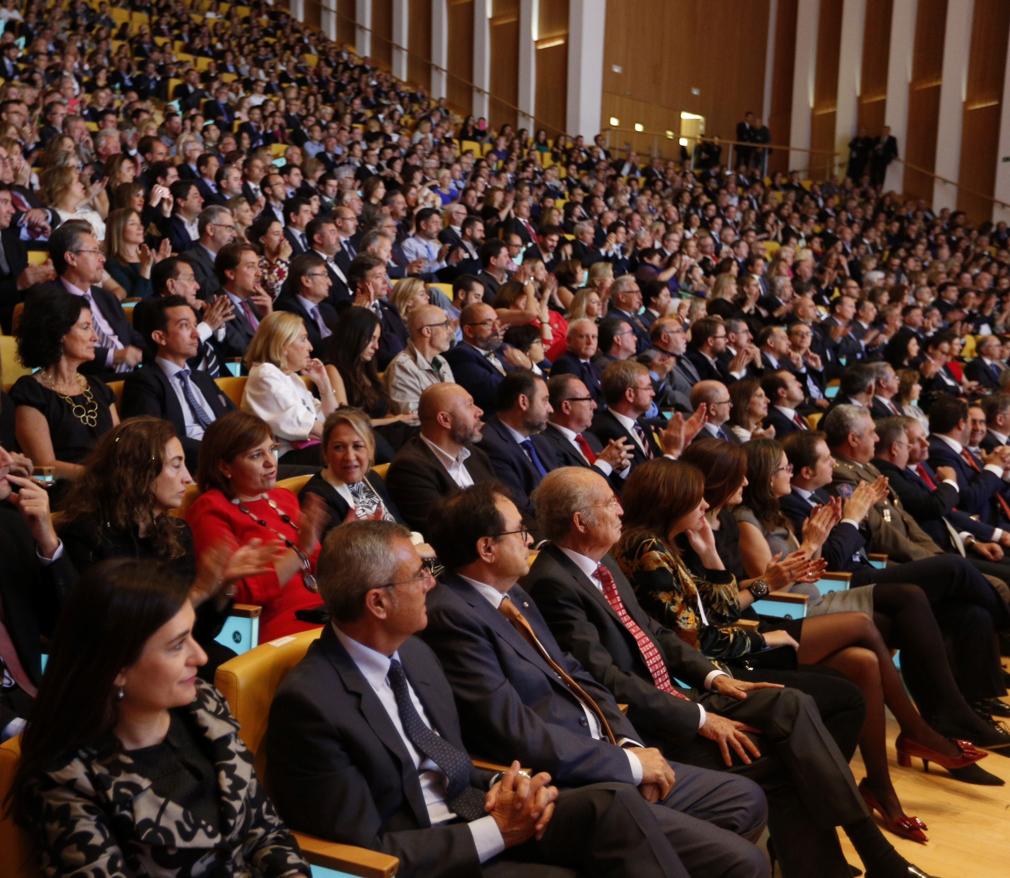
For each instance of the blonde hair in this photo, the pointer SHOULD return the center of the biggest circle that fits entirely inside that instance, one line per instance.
(404, 291)
(358, 421)
(276, 331)
(55, 182)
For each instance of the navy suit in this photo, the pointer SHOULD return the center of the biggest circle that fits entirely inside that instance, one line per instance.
(985, 374)
(707, 371)
(511, 463)
(588, 373)
(293, 305)
(783, 425)
(606, 427)
(978, 489)
(202, 263)
(177, 234)
(472, 371)
(17, 259)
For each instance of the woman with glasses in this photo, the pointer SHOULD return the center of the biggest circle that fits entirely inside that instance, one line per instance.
(240, 502)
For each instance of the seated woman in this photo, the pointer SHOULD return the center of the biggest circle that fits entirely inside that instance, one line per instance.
(239, 502)
(60, 413)
(527, 341)
(666, 527)
(408, 293)
(278, 355)
(347, 484)
(907, 397)
(64, 192)
(127, 258)
(121, 507)
(586, 303)
(130, 764)
(267, 233)
(750, 408)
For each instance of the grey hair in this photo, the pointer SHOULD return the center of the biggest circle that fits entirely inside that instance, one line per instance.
(622, 282)
(841, 421)
(890, 430)
(578, 323)
(213, 214)
(562, 493)
(356, 558)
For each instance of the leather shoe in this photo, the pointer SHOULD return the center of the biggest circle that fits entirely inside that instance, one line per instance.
(991, 707)
(910, 872)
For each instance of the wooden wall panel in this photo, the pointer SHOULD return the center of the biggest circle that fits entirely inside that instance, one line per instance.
(924, 98)
(779, 120)
(983, 98)
(313, 13)
(667, 48)
(346, 15)
(876, 56)
(382, 33)
(551, 107)
(823, 115)
(459, 90)
(504, 27)
(419, 43)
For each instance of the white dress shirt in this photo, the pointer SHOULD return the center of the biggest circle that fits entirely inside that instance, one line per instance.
(171, 370)
(284, 402)
(454, 466)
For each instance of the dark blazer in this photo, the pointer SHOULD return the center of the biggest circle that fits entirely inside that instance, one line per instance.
(878, 409)
(17, 260)
(589, 373)
(297, 247)
(562, 452)
(706, 370)
(238, 332)
(147, 391)
(202, 264)
(978, 489)
(587, 627)
(987, 376)
(326, 311)
(473, 372)
(336, 506)
(990, 442)
(783, 426)
(512, 705)
(511, 465)
(606, 427)
(338, 769)
(211, 196)
(175, 230)
(842, 544)
(416, 479)
(393, 334)
(642, 339)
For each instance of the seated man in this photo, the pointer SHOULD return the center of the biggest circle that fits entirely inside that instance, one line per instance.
(519, 695)
(420, 364)
(785, 396)
(169, 387)
(714, 396)
(364, 745)
(442, 457)
(306, 292)
(477, 361)
(583, 337)
(591, 608)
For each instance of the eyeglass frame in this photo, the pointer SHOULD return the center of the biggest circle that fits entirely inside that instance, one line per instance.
(430, 568)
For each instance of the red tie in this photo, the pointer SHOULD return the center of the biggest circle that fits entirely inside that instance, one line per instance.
(651, 655)
(587, 452)
(799, 422)
(924, 475)
(969, 459)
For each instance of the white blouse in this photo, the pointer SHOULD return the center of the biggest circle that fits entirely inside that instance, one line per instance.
(284, 402)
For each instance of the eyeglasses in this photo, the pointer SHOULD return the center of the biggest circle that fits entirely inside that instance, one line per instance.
(788, 468)
(482, 322)
(96, 251)
(430, 567)
(522, 531)
(719, 402)
(223, 226)
(316, 274)
(444, 323)
(577, 399)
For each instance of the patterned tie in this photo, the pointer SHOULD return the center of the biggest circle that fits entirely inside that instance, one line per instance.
(465, 800)
(799, 422)
(103, 332)
(250, 314)
(492, 358)
(643, 441)
(199, 413)
(518, 621)
(209, 362)
(583, 444)
(589, 377)
(531, 452)
(1001, 501)
(324, 330)
(650, 654)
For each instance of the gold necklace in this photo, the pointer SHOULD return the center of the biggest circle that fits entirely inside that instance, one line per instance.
(86, 412)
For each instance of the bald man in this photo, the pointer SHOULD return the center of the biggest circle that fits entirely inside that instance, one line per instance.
(718, 406)
(442, 458)
(419, 365)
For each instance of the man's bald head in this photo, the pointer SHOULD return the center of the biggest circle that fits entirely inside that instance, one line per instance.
(424, 315)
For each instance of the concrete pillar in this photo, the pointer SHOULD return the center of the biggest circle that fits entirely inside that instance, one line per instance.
(481, 57)
(586, 27)
(950, 119)
(328, 19)
(804, 72)
(401, 31)
(439, 48)
(1002, 190)
(899, 76)
(766, 101)
(529, 16)
(850, 68)
(297, 9)
(363, 31)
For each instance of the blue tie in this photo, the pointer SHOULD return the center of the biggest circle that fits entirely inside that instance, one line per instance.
(464, 799)
(531, 451)
(199, 415)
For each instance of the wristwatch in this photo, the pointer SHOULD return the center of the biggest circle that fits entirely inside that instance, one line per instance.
(758, 588)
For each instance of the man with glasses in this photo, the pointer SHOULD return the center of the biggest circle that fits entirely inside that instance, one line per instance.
(626, 302)
(420, 364)
(617, 341)
(364, 745)
(714, 396)
(669, 337)
(306, 292)
(217, 230)
(520, 696)
(477, 361)
(708, 343)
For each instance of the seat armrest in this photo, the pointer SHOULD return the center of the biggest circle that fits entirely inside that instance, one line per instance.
(246, 611)
(346, 857)
(786, 597)
(747, 624)
(485, 765)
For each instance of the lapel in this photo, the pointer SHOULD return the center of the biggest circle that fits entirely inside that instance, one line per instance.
(378, 720)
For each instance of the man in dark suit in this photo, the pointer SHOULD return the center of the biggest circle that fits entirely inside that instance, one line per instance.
(986, 369)
(996, 408)
(297, 216)
(15, 274)
(591, 608)
(625, 302)
(475, 362)
(30, 590)
(511, 440)
(324, 241)
(217, 229)
(169, 388)
(785, 396)
(518, 693)
(306, 293)
(207, 166)
(80, 263)
(885, 388)
(583, 338)
(442, 458)
(668, 335)
(182, 228)
(385, 765)
(712, 398)
(237, 267)
(708, 342)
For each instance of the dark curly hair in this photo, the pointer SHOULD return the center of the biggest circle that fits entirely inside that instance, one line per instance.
(48, 316)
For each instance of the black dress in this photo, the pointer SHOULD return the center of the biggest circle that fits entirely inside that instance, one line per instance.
(337, 507)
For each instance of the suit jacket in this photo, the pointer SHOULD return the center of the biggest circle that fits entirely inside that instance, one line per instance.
(202, 263)
(176, 232)
(978, 489)
(238, 332)
(416, 479)
(606, 427)
(295, 240)
(329, 314)
(98, 789)
(338, 768)
(990, 442)
(336, 506)
(511, 464)
(211, 195)
(562, 452)
(147, 391)
(511, 702)
(17, 259)
(783, 425)
(642, 339)
(587, 627)
(879, 409)
(706, 370)
(986, 375)
(472, 371)
(393, 334)
(845, 547)
(589, 373)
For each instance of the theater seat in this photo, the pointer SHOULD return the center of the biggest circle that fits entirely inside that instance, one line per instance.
(249, 682)
(17, 857)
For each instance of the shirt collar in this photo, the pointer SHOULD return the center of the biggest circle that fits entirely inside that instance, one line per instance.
(515, 434)
(71, 288)
(307, 304)
(443, 455)
(373, 665)
(804, 493)
(586, 564)
(488, 592)
(625, 421)
(168, 367)
(564, 431)
(953, 443)
(1000, 436)
(789, 413)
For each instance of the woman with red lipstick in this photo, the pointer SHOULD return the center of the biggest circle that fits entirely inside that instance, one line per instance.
(131, 765)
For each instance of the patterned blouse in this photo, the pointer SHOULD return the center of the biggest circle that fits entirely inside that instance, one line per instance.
(275, 272)
(674, 596)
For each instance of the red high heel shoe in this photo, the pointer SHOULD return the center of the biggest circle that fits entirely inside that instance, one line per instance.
(904, 826)
(907, 748)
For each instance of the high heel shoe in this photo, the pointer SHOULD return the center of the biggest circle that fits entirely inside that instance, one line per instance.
(908, 747)
(904, 826)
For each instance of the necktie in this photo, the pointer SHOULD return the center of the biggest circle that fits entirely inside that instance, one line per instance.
(106, 337)
(588, 377)
(799, 422)
(650, 654)
(722, 434)
(930, 482)
(199, 413)
(643, 441)
(465, 800)
(324, 330)
(209, 362)
(531, 452)
(583, 444)
(1001, 501)
(349, 250)
(250, 315)
(924, 475)
(518, 621)
(492, 358)
(5, 267)
(10, 659)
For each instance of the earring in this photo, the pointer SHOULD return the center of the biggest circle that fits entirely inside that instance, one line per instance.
(120, 693)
